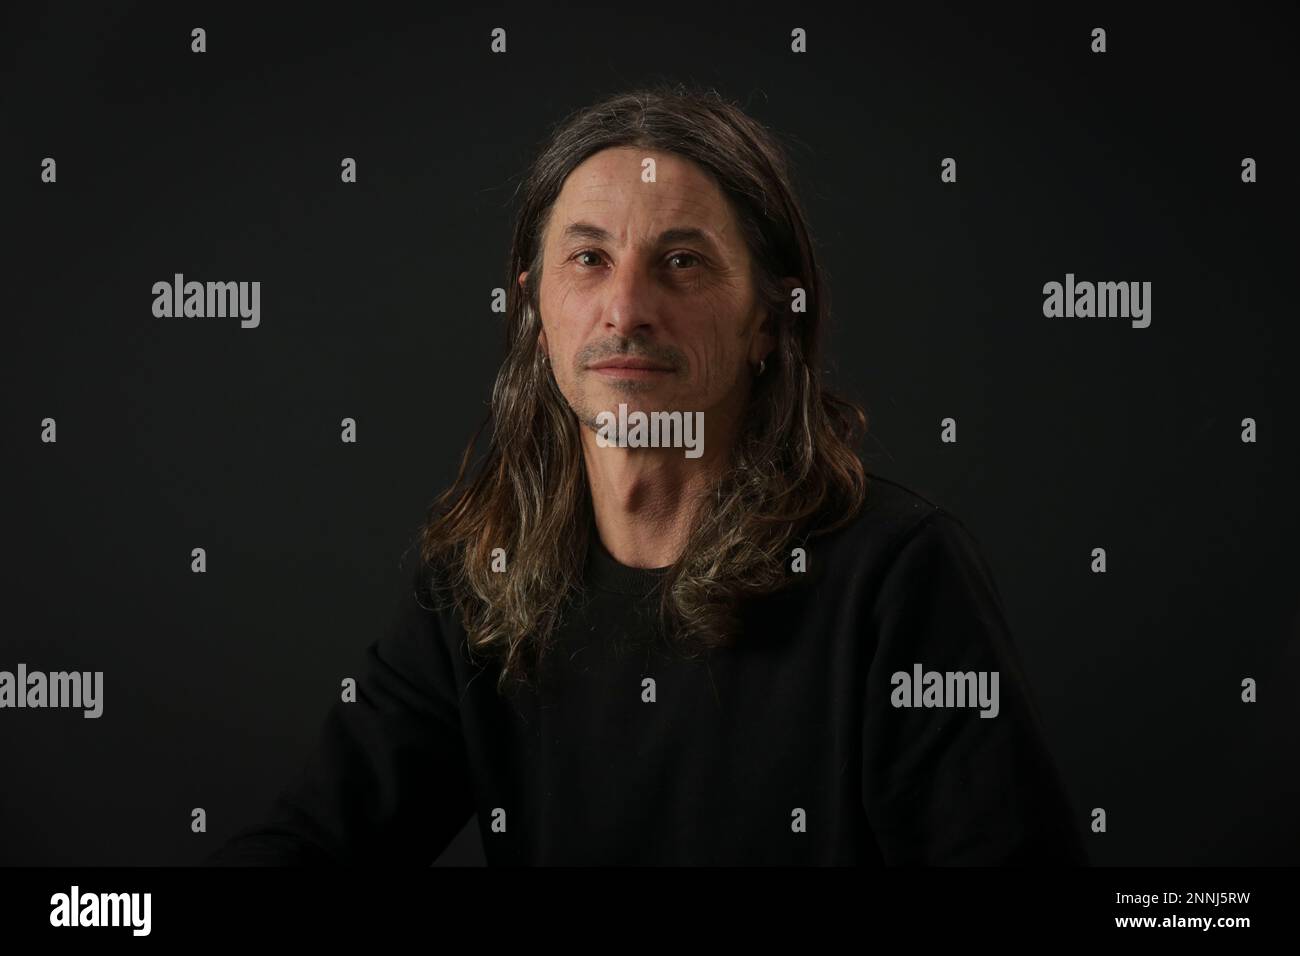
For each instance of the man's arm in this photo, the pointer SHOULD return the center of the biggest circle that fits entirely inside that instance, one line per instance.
(944, 785)
(388, 780)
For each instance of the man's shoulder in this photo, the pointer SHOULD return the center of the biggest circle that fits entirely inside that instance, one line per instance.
(889, 512)
(894, 519)
(897, 529)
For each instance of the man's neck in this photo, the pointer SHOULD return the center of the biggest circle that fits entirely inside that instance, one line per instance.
(644, 499)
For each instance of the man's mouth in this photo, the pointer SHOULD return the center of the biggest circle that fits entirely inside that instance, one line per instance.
(629, 368)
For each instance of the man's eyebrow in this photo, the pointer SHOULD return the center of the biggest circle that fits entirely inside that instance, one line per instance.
(594, 233)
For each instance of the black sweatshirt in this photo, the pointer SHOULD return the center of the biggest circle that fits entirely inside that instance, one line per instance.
(792, 747)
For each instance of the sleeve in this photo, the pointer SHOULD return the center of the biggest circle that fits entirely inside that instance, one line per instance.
(943, 785)
(387, 781)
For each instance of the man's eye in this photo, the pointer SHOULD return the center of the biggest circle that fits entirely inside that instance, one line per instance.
(691, 258)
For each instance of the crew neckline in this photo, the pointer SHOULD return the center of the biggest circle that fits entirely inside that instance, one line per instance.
(608, 574)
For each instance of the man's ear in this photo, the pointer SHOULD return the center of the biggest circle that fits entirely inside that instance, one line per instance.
(791, 283)
(765, 338)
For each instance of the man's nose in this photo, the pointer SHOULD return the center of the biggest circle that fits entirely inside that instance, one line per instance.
(632, 303)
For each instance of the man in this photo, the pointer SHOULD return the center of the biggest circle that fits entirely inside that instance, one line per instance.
(726, 646)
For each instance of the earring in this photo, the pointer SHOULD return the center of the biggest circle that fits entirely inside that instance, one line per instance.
(762, 366)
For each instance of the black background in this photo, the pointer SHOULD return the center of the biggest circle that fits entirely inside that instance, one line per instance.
(1073, 433)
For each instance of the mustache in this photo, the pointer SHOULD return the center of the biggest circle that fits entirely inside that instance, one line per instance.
(630, 348)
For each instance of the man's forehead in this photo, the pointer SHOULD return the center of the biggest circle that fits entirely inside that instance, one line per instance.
(608, 188)
(622, 164)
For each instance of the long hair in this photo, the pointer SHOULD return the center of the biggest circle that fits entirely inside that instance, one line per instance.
(794, 471)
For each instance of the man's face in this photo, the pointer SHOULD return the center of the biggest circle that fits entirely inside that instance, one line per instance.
(646, 290)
